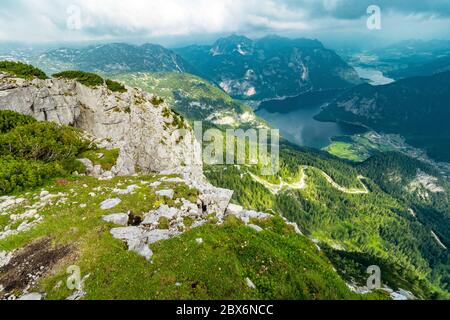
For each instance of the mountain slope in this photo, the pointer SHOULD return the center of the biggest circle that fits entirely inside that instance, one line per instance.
(269, 67)
(438, 65)
(326, 198)
(196, 99)
(111, 59)
(416, 108)
(176, 236)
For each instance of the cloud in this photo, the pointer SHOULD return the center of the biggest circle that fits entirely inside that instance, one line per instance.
(76, 20)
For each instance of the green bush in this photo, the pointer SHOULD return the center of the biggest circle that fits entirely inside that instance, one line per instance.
(156, 101)
(44, 141)
(115, 86)
(18, 174)
(71, 165)
(10, 120)
(22, 70)
(86, 78)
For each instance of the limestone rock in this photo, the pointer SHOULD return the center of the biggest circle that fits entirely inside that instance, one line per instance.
(255, 227)
(169, 193)
(5, 257)
(136, 239)
(128, 190)
(120, 219)
(31, 297)
(157, 235)
(250, 284)
(110, 203)
(145, 135)
(163, 211)
(155, 184)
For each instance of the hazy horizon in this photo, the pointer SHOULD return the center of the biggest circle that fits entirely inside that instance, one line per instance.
(175, 23)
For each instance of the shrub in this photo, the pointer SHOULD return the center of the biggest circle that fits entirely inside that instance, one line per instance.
(22, 70)
(115, 86)
(19, 174)
(10, 120)
(166, 112)
(44, 141)
(156, 101)
(86, 78)
(71, 165)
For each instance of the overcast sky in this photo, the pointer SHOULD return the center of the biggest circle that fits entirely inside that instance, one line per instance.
(40, 21)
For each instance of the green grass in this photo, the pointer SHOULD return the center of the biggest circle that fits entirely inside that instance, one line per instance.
(86, 78)
(282, 264)
(359, 147)
(345, 151)
(108, 160)
(22, 70)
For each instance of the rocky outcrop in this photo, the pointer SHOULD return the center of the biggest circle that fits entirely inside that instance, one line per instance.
(146, 134)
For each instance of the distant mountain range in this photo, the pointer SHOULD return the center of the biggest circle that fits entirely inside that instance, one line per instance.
(413, 58)
(417, 108)
(112, 59)
(269, 67)
(423, 69)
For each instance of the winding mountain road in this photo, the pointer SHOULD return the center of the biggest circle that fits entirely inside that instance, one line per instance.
(301, 183)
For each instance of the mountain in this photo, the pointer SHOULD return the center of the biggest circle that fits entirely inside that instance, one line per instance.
(411, 58)
(310, 231)
(350, 211)
(438, 65)
(416, 108)
(111, 59)
(269, 67)
(195, 98)
(95, 177)
(415, 49)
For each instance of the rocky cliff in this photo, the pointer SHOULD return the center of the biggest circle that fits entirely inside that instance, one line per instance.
(151, 138)
(148, 135)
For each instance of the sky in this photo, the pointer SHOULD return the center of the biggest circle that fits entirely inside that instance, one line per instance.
(176, 21)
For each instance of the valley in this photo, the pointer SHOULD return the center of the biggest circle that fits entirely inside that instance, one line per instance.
(343, 199)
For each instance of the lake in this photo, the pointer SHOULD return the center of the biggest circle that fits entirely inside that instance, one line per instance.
(375, 77)
(301, 128)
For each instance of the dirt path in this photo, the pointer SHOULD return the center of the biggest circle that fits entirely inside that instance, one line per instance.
(301, 183)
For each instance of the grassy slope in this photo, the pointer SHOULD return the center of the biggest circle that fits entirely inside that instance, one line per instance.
(281, 263)
(190, 90)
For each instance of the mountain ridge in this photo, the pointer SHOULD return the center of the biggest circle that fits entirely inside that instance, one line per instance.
(269, 67)
(112, 58)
